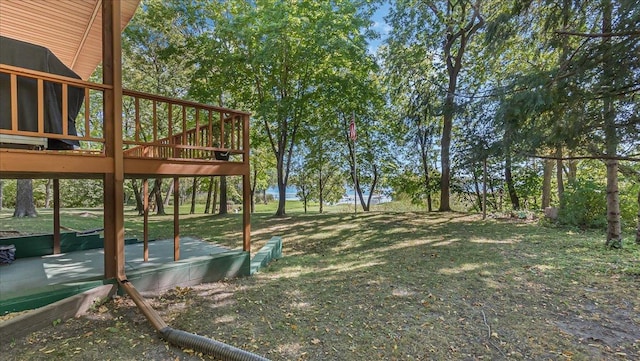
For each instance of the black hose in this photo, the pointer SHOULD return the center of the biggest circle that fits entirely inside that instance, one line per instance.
(208, 346)
(186, 339)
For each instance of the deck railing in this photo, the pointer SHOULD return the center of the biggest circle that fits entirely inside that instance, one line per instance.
(89, 131)
(166, 128)
(153, 126)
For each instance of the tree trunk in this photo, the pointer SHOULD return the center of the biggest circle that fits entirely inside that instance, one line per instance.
(194, 192)
(424, 157)
(454, 38)
(223, 195)
(282, 187)
(207, 206)
(321, 185)
(1, 193)
(559, 180)
(215, 195)
(445, 147)
(138, 197)
(546, 183)
(157, 192)
(638, 225)
(613, 206)
(614, 237)
(24, 199)
(484, 189)
(476, 185)
(366, 206)
(167, 196)
(252, 190)
(304, 201)
(572, 171)
(47, 193)
(513, 196)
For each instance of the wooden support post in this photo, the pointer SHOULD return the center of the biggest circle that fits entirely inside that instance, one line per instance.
(176, 218)
(246, 213)
(246, 188)
(145, 210)
(56, 216)
(113, 182)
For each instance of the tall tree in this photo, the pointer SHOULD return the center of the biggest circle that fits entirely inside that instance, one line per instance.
(412, 83)
(284, 53)
(584, 91)
(445, 29)
(614, 231)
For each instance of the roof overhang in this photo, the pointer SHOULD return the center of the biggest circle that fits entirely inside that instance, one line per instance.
(71, 29)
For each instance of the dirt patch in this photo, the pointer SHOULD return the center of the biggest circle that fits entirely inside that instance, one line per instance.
(611, 328)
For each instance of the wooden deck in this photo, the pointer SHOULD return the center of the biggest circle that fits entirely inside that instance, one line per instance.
(161, 136)
(147, 137)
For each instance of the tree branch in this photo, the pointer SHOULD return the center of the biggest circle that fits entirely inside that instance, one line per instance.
(631, 33)
(596, 157)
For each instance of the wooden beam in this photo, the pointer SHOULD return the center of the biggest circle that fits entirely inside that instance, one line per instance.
(54, 164)
(145, 210)
(40, 83)
(56, 216)
(14, 101)
(114, 182)
(65, 109)
(43, 317)
(246, 187)
(143, 168)
(246, 213)
(176, 219)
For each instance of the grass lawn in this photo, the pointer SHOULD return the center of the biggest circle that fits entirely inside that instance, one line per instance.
(384, 286)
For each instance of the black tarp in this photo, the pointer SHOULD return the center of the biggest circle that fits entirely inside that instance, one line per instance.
(34, 57)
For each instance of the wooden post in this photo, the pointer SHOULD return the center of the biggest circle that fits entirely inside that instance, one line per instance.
(145, 210)
(113, 182)
(246, 188)
(176, 218)
(56, 216)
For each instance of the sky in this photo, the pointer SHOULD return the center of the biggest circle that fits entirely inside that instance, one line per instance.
(380, 26)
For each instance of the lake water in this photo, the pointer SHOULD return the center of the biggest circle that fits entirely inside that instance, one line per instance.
(291, 195)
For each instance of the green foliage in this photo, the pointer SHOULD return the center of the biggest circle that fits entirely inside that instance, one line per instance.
(81, 193)
(410, 184)
(584, 205)
(629, 204)
(528, 184)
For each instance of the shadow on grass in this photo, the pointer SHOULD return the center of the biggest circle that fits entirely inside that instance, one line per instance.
(385, 286)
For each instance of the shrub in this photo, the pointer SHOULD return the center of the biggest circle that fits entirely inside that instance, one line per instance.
(584, 205)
